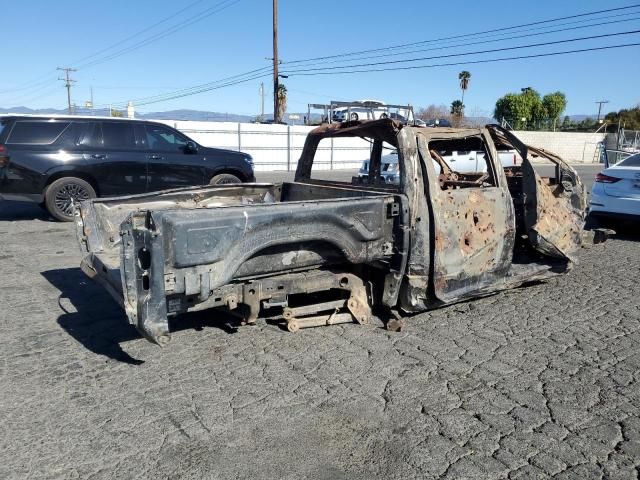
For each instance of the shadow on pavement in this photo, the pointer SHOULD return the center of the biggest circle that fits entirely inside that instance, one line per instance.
(91, 316)
(627, 231)
(95, 320)
(625, 228)
(11, 211)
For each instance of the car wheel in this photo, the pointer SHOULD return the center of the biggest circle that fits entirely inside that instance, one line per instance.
(62, 194)
(224, 179)
(355, 117)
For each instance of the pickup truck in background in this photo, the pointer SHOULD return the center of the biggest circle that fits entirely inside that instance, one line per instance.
(315, 252)
(463, 161)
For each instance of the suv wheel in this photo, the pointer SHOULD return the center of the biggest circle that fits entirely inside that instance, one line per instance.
(224, 179)
(62, 194)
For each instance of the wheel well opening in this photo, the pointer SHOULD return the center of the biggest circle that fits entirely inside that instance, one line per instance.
(295, 255)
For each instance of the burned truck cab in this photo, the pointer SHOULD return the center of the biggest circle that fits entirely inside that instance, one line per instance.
(317, 251)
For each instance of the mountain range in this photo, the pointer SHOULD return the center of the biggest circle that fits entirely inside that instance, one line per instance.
(181, 114)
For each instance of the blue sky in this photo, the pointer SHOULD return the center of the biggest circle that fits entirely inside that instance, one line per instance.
(40, 35)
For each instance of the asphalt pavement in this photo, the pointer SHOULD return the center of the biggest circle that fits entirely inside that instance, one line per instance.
(537, 382)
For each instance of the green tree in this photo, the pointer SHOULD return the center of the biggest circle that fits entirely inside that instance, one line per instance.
(539, 115)
(465, 78)
(587, 124)
(506, 109)
(628, 118)
(526, 110)
(117, 113)
(518, 109)
(554, 103)
(282, 102)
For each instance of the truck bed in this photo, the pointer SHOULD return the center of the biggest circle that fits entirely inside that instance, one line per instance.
(177, 251)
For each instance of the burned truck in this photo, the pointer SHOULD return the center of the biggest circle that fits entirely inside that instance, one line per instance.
(317, 252)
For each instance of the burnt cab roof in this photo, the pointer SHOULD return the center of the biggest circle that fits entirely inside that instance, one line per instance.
(385, 129)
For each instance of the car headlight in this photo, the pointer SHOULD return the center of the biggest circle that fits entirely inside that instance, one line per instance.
(249, 160)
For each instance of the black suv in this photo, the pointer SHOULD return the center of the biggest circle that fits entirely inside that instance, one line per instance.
(56, 161)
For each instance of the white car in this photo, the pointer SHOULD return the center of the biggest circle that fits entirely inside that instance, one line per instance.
(616, 191)
(360, 113)
(473, 161)
(459, 161)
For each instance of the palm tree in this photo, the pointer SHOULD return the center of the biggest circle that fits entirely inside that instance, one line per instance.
(282, 102)
(457, 112)
(457, 108)
(464, 78)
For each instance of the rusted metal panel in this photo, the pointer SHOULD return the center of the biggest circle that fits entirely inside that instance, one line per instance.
(554, 209)
(555, 224)
(473, 230)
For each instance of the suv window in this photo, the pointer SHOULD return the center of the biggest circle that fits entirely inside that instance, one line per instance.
(92, 137)
(69, 138)
(118, 135)
(163, 138)
(36, 132)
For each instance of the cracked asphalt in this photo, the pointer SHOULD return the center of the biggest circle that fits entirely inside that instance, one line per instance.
(537, 382)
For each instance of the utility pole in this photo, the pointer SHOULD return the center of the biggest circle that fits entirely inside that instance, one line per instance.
(262, 101)
(276, 101)
(67, 83)
(600, 108)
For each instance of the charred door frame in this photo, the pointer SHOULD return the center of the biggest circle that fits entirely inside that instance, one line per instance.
(473, 229)
(554, 214)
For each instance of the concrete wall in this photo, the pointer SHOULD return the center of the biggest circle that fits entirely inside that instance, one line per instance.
(278, 147)
(571, 146)
(275, 147)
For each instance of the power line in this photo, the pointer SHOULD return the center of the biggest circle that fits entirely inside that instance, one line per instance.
(165, 33)
(228, 81)
(263, 72)
(137, 34)
(208, 89)
(241, 78)
(37, 81)
(196, 88)
(395, 54)
(32, 84)
(477, 52)
(422, 42)
(471, 62)
(38, 89)
(24, 100)
(41, 85)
